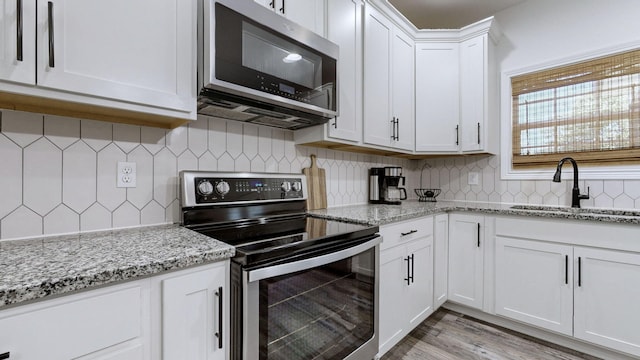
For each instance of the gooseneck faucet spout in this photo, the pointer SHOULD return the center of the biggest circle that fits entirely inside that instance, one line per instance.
(575, 192)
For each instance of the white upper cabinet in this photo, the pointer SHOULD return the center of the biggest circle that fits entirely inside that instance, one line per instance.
(388, 83)
(119, 49)
(402, 90)
(17, 33)
(479, 93)
(308, 13)
(85, 56)
(344, 27)
(437, 97)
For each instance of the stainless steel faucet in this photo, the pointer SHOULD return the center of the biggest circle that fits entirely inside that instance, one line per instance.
(575, 192)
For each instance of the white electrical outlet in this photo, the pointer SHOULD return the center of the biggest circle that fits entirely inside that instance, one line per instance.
(126, 176)
(474, 178)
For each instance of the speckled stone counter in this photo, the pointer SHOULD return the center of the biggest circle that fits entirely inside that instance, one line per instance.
(35, 268)
(373, 214)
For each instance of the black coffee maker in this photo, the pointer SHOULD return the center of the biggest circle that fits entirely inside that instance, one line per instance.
(386, 185)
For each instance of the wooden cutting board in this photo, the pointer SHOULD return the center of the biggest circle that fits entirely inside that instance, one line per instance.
(316, 186)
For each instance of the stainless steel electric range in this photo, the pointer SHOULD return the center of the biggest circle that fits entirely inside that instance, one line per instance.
(301, 287)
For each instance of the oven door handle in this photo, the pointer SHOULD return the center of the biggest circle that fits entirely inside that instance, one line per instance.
(288, 268)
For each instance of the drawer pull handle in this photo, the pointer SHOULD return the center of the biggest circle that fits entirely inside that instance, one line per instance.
(409, 233)
(5, 356)
(220, 314)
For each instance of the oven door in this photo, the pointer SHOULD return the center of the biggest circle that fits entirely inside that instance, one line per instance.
(324, 307)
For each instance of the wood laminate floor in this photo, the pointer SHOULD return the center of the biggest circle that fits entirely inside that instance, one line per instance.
(448, 335)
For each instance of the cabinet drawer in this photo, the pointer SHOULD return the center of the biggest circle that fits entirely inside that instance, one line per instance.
(398, 233)
(100, 322)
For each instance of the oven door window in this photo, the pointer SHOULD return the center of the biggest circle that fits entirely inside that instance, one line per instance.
(323, 313)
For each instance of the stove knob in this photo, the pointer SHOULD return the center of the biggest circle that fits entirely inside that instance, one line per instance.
(285, 186)
(222, 187)
(205, 187)
(297, 186)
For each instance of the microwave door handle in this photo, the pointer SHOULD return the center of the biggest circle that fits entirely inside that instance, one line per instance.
(288, 268)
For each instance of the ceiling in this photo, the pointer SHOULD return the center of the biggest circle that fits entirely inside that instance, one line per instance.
(449, 14)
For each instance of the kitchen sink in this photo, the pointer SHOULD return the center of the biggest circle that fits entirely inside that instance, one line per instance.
(577, 211)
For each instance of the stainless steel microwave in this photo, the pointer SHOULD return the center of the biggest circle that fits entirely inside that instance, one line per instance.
(257, 66)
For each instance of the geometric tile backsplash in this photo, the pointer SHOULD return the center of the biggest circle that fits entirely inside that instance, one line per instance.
(58, 174)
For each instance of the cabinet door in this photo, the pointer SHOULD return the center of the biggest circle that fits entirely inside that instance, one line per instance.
(466, 260)
(377, 78)
(191, 308)
(345, 29)
(473, 75)
(440, 259)
(437, 97)
(392, 313)
(112, 322)
(420, 290)
(534, 283)
(402, 94)
(116, 50)
(17, 36)
(308, 13)
(606, 298)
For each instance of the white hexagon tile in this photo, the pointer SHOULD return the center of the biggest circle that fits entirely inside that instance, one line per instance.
(65, 170)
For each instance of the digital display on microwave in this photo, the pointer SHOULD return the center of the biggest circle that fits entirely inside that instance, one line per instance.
(288, 89)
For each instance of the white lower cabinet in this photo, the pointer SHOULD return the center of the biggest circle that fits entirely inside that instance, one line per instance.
(406, 279)
(195, 315)
(440, 259)
(466, 260)
(534, 283)
(607, 298)
(110, 323)
(555, 275)
(171, 316)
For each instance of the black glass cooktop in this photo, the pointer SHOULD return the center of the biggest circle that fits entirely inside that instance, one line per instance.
(262, 242)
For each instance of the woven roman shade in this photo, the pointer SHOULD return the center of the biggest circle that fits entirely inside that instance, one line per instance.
(588, 110)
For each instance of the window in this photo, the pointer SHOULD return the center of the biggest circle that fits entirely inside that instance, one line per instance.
(588, 110)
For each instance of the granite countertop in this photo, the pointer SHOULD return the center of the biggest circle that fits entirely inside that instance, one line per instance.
(35, 268)
(375, 214)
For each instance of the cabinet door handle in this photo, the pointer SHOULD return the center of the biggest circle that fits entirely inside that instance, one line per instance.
(408, 278)
(5, 356)
(579, 271)
(19, 30)
(282, 8)
(393, 128)
(478, 234)
(397, 129)
(273, 4)
(412, 267)
(478, 133)
(220, 314)
(566, 269)
(409, 233)
(52, 62)
(457, 134)
(335, 122)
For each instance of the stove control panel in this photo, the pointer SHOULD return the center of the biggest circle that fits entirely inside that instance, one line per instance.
(200, 188)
